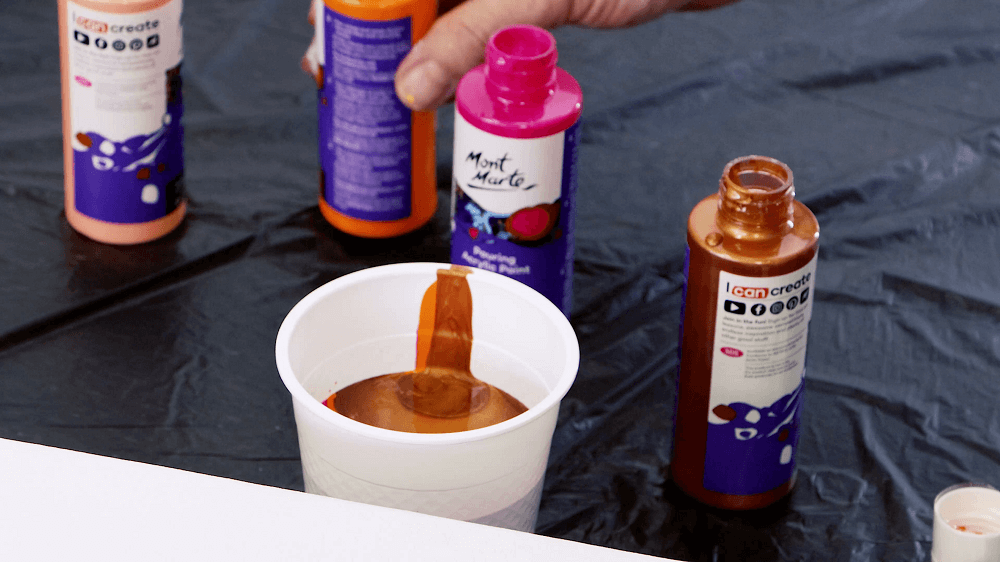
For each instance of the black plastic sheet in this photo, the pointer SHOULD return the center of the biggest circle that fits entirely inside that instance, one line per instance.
(884, 109)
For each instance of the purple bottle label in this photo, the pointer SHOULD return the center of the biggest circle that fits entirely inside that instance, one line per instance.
(758, 369)
(365, 131)
(125, 94)
(513, 207)
(752, 451)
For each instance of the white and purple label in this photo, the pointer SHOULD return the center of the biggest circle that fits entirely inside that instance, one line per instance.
(125, 97)
(758, 369)
(513, 207)
(365, 132)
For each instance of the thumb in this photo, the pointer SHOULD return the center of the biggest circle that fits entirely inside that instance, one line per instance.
(427, 77)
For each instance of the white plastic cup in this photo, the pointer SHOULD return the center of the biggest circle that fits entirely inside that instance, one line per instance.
(364, 325)
(966, 524)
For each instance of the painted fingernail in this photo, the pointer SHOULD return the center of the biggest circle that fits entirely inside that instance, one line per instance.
(425, 86)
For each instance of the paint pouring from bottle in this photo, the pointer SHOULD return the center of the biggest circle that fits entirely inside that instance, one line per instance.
(750, 278)
(122, 137)
(377, 174)
(514, 164)
(441, 395)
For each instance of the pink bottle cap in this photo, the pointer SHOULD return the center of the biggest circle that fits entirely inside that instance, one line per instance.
(520, 92)
(521, 64)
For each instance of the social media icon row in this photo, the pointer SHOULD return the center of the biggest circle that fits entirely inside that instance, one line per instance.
(118, 44)
(759, 309)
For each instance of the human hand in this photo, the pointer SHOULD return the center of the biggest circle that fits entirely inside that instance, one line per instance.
(427, 77)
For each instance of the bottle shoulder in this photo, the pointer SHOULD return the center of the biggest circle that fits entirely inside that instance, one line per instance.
(559, 112)
(799, 244)
(385, 10)
(121, 6)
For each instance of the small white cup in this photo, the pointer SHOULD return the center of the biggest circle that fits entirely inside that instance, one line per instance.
(966, 524)
(364, 325)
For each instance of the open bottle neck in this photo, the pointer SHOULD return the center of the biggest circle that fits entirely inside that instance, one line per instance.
(521, 67)
(756, 201)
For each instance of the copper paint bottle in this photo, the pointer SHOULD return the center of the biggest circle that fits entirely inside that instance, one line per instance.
(121, 98)
(750, 274)
(377, 158)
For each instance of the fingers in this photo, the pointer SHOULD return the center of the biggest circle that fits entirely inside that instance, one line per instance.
(310, 61)
(698, 5)
(427, 77)
(446, 5)
(620, 13)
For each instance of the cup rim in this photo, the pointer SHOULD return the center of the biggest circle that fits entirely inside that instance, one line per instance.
(314, 406)
(975, 488)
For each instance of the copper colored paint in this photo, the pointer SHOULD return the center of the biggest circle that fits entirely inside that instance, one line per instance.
(752, 227)
(441, 395)
(724, 412)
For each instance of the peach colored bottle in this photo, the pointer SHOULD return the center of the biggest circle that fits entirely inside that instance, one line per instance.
(123, 155)
(750, 275)
(377, 158)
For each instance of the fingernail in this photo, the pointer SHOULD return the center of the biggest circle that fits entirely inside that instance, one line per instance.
(425, 86)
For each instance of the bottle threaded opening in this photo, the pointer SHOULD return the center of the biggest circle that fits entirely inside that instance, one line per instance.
(524, 43)
(758, 174)
(756, 196)
(521, 63)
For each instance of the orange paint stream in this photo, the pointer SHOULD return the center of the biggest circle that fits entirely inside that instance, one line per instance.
(441, 395)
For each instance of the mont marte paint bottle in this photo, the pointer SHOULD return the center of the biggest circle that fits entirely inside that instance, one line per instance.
(514, 164)
(123, 144)
(750, 274)
(377, 159)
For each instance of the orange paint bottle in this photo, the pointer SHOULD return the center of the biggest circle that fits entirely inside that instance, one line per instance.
(123, 151)
(377, 158)
(750, 275)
